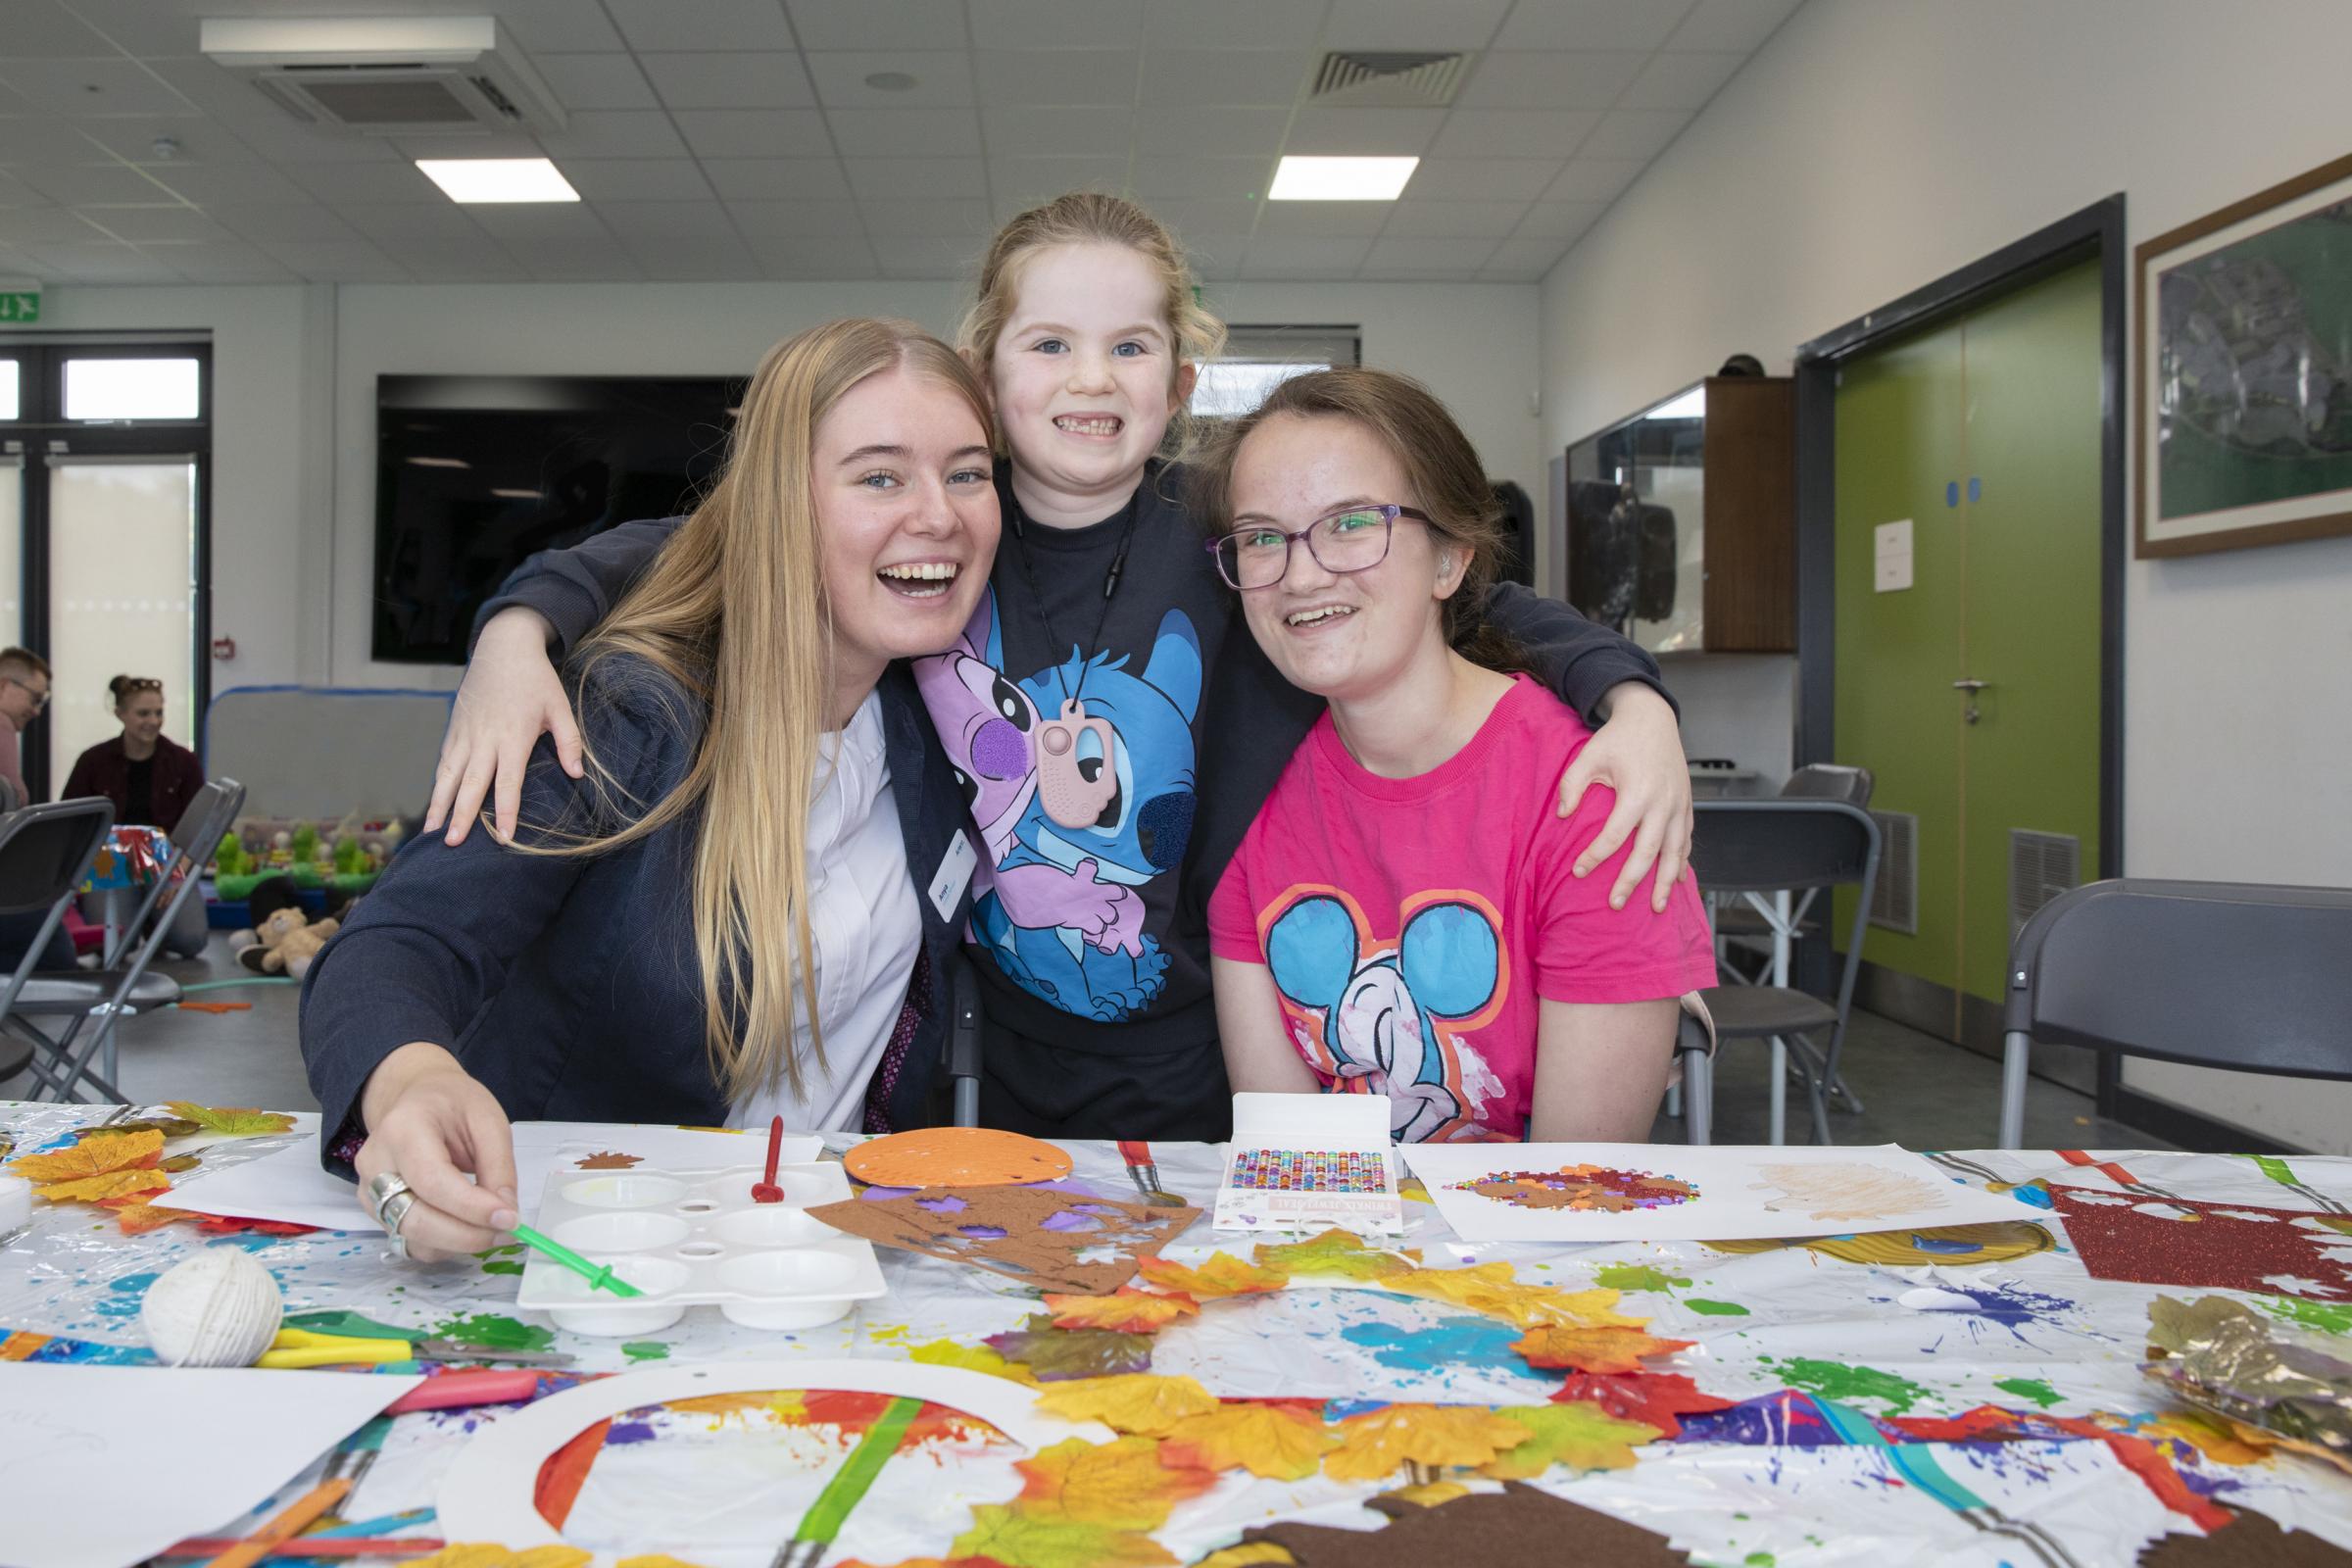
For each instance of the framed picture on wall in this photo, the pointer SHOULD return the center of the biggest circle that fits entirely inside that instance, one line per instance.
(2243, 368)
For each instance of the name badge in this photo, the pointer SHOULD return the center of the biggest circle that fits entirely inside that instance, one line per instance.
(954, 875)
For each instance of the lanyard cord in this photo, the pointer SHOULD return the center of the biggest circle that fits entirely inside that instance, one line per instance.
(1110, 583)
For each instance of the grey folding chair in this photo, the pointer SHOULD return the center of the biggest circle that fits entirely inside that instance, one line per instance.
(96, 1002)
(44, 852)
(2214, 974)
(1746, 847)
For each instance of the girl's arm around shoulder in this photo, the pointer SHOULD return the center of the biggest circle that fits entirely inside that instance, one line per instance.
(576, 588)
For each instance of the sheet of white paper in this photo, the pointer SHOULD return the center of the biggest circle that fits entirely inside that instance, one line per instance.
(95, 1473)
(1674, 1193)
(290, 1185)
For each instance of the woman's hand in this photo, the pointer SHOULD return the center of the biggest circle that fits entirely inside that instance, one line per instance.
(1639, 754)
(510, 692)
(430, 1122)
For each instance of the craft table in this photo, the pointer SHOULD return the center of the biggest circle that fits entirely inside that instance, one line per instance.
(1803, 1336)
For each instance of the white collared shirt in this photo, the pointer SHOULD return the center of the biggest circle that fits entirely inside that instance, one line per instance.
(865, 927)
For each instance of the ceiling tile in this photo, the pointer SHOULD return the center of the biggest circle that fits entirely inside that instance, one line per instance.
(142, 226)
(813, 256)
(365, 182)
(1640, 133)
(229, 99)
(1527, 259)
(46, 141)
(228, 263)
(1055, 76)
(761, 221)
(737, 79)
(284, 139)
(1412, 23)
(666, 27)
(1558, 219)
(1514, 132)
(102, 263)
(1197, 77)
(1740, 24)
(634, 179)
(1426, 258)
(1545, 78)
(1235, 23)
(1195, 220)
(1366, 133)
(1323, 219)
(878, 23)
(44, 225)
(596, 82)
(1676, 81)
(200, 141)
(1056, 23)
(562, 262)
(284, 226)
(755, 133)
(1454, 219)
(1590, 23)
(211, 184)
(642, 223)
(336, 260)
(1227, 132)
(931, 258)
(707, 259)
(616, 133)
(497, 144)
(83, 87)
(942, 78)
(1593, 179)
(1066, 132)
(541, 223)
(478, 259)
(15, 194)
(1331, 256)
(1482, 179)
(887, 222)
(542, 27)
(776, 178)
(905, 132)
(79, 184)
(398, 224)
(1017, 182)
(922, 179)
(1201, 179)
(1216, 257)
(40, 30)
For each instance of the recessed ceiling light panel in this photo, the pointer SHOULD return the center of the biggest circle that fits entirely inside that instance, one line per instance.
(497, 179)
(1341, 179)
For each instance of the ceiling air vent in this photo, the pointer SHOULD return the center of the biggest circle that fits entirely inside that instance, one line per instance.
(398, 77)
(1388, 81)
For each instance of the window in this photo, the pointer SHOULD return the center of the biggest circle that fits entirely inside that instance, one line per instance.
(1258, 359)
(131, 390)
(9, 402)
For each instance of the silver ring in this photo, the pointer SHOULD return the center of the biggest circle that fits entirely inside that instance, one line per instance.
(382, 1188)
(394, 1212)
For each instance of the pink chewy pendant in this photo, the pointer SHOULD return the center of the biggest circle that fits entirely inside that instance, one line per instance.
(1074, 790)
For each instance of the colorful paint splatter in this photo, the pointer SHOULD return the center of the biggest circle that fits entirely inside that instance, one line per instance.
(1604, 1188)
(1310, 1170)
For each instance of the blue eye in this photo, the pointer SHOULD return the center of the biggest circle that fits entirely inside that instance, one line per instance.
(1131, 351)
(970, 477)
(1052, 345)
(878, 481)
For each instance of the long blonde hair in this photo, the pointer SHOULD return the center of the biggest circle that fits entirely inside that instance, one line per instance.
(732, 612)
(1196, 335)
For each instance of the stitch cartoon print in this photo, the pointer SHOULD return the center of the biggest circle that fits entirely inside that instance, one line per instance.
(1394, 1016)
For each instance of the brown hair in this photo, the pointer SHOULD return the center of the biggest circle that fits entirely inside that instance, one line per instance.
(1440, 465)
(1087, 217)
(126, 687)
(732, 612)
(25, 659)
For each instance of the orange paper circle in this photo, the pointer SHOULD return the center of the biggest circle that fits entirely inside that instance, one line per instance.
(955, 1157)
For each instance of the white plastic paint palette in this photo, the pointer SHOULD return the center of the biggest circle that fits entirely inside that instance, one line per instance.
(692, 1237)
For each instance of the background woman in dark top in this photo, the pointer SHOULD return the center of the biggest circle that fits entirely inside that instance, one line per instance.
(149, 777)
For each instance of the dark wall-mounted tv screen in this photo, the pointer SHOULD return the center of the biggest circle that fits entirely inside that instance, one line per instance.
(474, 472)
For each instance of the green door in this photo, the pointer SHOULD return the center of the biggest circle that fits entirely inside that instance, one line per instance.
(1984, 434)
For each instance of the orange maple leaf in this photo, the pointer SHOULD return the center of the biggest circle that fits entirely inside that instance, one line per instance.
(1494, 1290)
(95, 1155)
(1373, 1444)
(1128, 1310)
(1223, 1275)
(1136, 1402)
(114, 1184)
(1125, 1484)
(136, 1217)
(1593, 1349)
(1279, 1441)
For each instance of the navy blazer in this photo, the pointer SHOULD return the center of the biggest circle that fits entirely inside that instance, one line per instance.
(568, 985)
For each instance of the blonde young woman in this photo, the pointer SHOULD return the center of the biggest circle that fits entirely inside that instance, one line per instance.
(721, 919)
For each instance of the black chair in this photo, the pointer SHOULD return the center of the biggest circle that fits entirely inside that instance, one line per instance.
(1749, 917)
(44, 852)
(1794, 844)
(125, 988)
(2214, 974)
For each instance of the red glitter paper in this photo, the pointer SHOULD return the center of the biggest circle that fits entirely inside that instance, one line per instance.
(2202, 1246)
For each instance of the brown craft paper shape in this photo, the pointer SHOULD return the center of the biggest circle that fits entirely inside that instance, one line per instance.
(955, 1157)
(1027, 1234)
(1518, 1527)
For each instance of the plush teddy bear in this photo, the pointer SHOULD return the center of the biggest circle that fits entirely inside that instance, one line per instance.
(283, 943)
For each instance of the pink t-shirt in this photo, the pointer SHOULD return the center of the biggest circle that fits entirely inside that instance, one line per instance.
(1414, 925)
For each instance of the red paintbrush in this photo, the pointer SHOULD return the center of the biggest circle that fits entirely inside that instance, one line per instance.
(768, 1192)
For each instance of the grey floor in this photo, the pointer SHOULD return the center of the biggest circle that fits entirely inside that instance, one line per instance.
(1919, 1092)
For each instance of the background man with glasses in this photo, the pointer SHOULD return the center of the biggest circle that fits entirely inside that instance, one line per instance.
(23, 693)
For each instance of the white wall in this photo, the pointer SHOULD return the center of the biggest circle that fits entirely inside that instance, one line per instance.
(1874, 145)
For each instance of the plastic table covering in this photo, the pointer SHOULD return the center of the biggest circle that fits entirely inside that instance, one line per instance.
(1922, 1331)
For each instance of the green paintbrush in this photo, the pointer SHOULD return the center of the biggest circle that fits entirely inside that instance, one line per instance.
(848, 1487)
(599, 1276)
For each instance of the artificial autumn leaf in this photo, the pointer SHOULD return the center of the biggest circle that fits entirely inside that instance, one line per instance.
(136, 1217)
(972, 1359)
(232, 1121)
(2224, 1443)
(94, 1155)
(1139, 1402)
(1335, 1252)
(114, 1184)
(1373, 1444)
(1279, 1441)
(178, 1164)
(1653, 1398)
(1053, 1353)
(1127, 1310)
(1589, 1350)
(1123, 1484)
(1018, 1539)
(1248, 1555)
(1492, 1290)
(1428, 1494)
(170, 1126)
(239, 1225)
(1223, 1275)
(1581, 1437)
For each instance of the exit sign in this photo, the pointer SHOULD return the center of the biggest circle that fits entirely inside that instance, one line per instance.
(20, 306)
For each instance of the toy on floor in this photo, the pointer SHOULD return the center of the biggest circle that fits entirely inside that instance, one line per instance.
(284, 944)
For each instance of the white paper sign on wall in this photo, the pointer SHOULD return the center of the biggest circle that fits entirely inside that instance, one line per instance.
(1893, 556)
